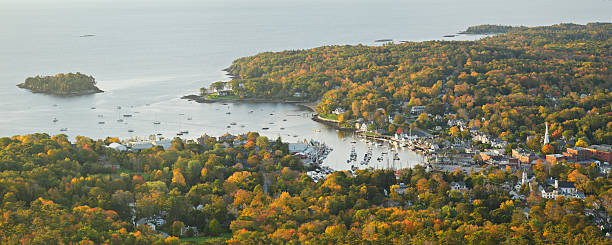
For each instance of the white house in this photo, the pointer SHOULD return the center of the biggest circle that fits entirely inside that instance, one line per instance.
(458, 186)
(561, 188)
(339, 111)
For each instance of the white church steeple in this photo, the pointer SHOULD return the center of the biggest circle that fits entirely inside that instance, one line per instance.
(546, 140)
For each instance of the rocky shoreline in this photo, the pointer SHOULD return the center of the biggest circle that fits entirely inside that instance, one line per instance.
(70, 94)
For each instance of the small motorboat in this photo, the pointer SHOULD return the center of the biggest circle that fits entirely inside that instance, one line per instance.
(54, 119)
(64, 129)
(265, 128)
(156, 122)
(100, 122)
(130, 130)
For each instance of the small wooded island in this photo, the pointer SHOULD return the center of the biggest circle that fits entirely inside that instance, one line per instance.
(70, 84)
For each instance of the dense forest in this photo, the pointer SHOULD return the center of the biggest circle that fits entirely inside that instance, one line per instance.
(54, 191)
(507, 85)
(62, 84)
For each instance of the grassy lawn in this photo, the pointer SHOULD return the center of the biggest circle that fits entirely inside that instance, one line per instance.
(329, 116)
(213, 239)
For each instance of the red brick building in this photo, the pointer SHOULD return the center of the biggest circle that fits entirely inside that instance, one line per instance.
(555, 158)
(579, 153)
(601, 152)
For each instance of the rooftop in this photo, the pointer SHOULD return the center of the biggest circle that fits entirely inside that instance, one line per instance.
(577, 148)
(606, 148)
(566, 184)
(555, 155)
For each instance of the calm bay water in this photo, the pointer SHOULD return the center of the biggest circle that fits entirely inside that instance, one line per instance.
(146, 54)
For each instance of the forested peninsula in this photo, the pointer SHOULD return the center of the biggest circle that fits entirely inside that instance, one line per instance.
(506, 85)
(70, 84)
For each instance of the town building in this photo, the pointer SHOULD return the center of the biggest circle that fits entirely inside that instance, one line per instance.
(490, 155)
(566, 189)
(524, 156)
(601, 152)
(578, 153)
(555, 158)
(417, 109)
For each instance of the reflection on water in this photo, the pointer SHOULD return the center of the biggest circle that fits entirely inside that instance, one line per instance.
(168, 118)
